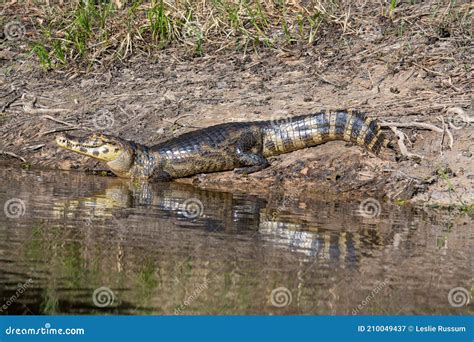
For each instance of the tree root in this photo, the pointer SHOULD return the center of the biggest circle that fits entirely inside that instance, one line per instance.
(462, 120)
(401, 144)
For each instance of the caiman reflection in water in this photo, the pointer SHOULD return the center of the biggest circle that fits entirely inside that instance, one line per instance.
(232, 213)
(171, 248)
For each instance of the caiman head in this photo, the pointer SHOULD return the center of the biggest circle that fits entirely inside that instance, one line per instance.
(117, 153)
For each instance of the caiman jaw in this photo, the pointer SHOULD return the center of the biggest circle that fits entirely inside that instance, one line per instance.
(116, 152)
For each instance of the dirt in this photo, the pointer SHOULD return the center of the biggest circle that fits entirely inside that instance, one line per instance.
(149, 99)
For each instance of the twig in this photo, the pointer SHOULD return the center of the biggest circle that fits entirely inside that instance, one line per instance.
(33, 147)
(404, 175)
(6, 105)
(450, 136)
(7, 94)
(63, 130)
(417, 15)
(58, 121)
(29, 108)
(401, 144)
(450, 83)
(322, 78)
(442, 137)
(422, 125)
(175, 121)
(11, 154)
(428, 70)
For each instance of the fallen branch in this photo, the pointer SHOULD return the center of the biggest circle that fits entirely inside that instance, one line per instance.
(11, 154)
(422, 125)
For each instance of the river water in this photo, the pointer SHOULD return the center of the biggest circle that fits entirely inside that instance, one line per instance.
(72, 243)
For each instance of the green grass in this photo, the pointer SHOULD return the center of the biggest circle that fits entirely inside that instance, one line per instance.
(160, 24)
(458, 203)
(43, 55)
(393, 5)
(90, 33)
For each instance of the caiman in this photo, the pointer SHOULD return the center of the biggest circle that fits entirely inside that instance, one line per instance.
(243, 146)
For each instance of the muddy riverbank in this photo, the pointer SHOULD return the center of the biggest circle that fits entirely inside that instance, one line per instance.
(414, 76)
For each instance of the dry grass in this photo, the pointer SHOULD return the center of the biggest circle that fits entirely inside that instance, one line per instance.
(90, 33)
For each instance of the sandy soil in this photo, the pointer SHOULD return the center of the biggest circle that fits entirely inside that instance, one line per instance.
(412, 78)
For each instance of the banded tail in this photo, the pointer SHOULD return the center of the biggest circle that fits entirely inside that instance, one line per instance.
(290, 134)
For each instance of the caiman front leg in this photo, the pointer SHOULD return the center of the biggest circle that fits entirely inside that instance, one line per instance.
(249, 154)
(160, 175)
(252, 162)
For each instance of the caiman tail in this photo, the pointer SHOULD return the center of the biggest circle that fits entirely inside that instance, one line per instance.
(294, 133)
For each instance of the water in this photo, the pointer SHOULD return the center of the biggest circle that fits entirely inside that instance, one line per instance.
(72, 243)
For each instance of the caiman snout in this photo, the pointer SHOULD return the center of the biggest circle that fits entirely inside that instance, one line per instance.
(96, 145)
